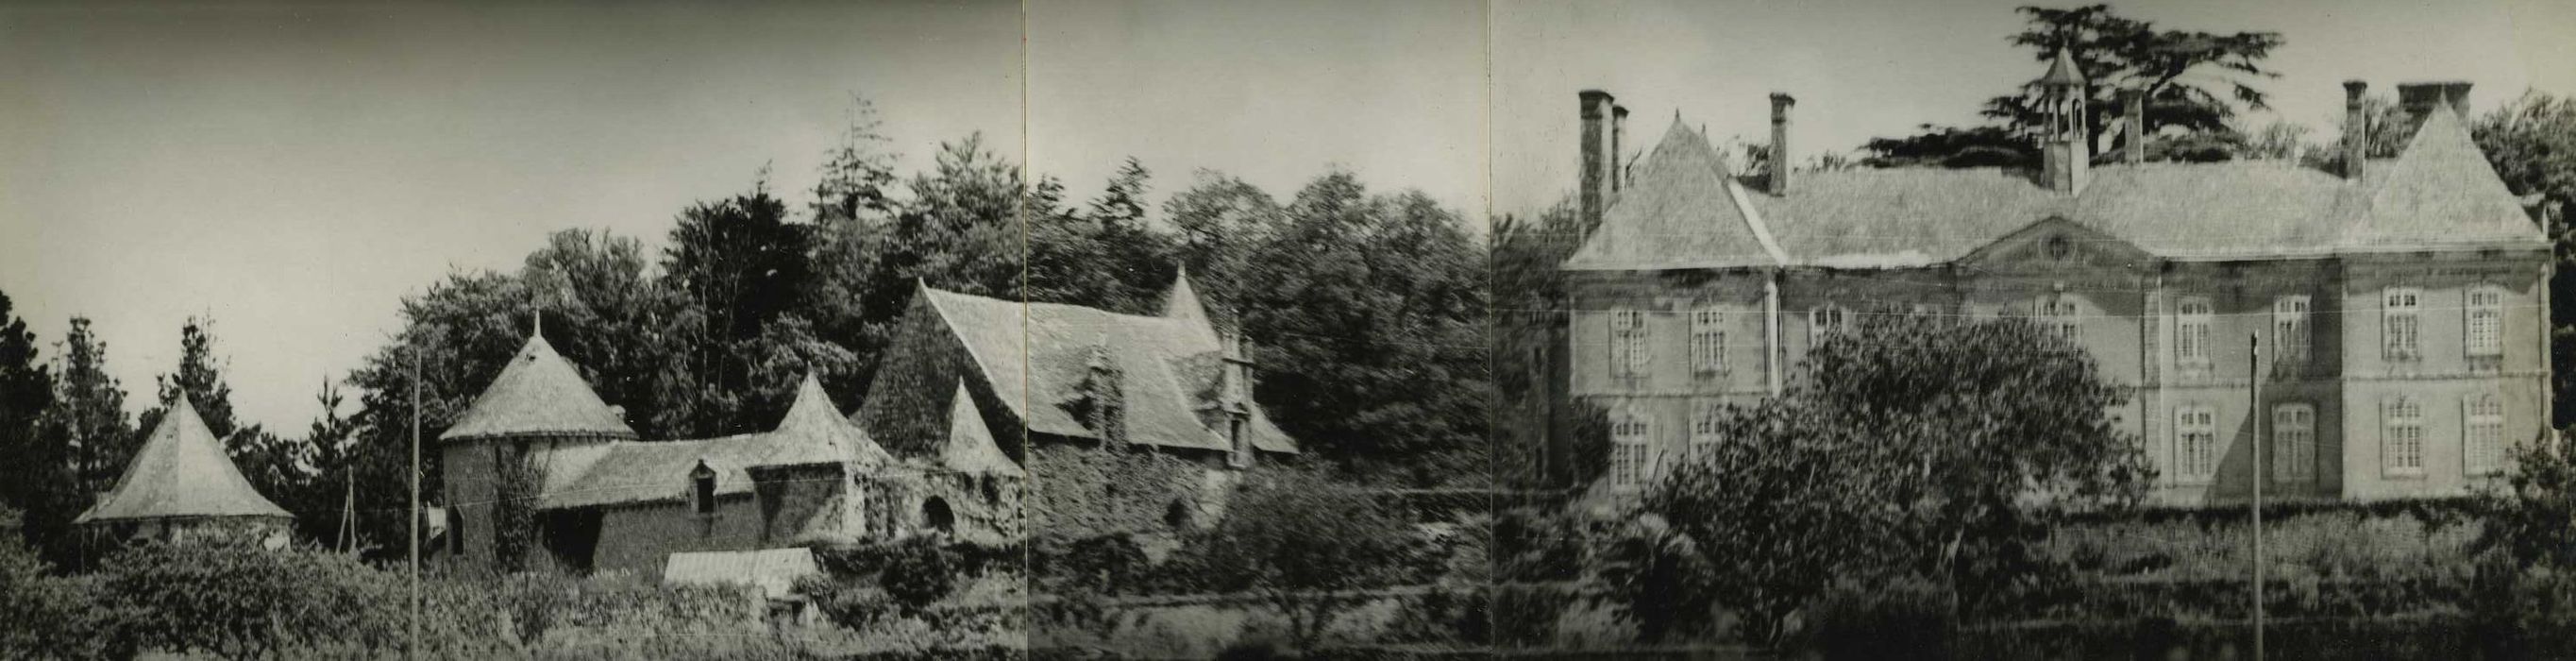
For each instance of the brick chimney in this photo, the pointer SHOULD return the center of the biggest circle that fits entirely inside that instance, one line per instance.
(1618, 148)
(1595, 193)
(2133, 129)
(2356, 131)
(1781, 102)
(2420, 98)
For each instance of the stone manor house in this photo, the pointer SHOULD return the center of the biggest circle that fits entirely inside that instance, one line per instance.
(2401, 303)
(936, 450)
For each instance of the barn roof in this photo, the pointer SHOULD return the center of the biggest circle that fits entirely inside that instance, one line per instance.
(181, 471)
(637, 472)
(1039, 358)
(538, 394)
(2439, 193)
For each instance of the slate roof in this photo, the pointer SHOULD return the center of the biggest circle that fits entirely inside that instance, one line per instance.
(2439, 193)
(651, 472)
(970, 448)
(815, 432)
(181, 472)
(1038, 358)
(2062, 71)
(538, 394)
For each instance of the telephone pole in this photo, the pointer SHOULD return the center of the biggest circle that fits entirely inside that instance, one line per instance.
(2254, 421)
(411, 649)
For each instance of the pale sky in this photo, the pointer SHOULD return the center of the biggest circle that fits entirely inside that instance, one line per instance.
(1867, 69)
(295, 170)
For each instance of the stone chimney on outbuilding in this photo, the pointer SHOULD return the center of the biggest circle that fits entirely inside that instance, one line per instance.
(1618, 149)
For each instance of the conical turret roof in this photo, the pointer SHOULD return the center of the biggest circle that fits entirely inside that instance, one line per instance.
(813, 432)
(970, 447)
(538, 394)
(181, 472)
(2062, 71)
(1182, 303)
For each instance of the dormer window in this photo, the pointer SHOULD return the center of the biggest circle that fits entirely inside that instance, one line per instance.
(702, 489)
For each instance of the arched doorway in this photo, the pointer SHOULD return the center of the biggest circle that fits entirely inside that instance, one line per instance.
(936, 515)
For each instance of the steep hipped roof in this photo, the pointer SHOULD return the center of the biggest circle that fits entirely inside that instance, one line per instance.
(814, 432)
(538, 394)
(970, 448)
(2062, 71)
(2439, 193)
(1038, 357)
(181, 472)
(1676, 213)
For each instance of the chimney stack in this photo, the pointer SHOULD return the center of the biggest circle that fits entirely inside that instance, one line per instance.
(1618, 148)
(1780, 104)
(1594, 195)
(2133, 132)
(2356, 131)
(2420, 98)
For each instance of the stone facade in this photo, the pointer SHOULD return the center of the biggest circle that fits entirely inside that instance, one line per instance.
(2403, 316)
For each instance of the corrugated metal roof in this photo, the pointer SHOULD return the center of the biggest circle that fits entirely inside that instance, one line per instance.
(773, 571)
(538, 394)
(181, 471)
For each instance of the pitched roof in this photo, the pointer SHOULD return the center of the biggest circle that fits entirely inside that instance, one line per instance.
(1039, 356)
(970, 448)
(1181, 303)
(814, 432)
(538, 394)
(773, 571)
(181, 472)
(1677, 213)
(633, 472)
(2438, 194)
(2062, 71)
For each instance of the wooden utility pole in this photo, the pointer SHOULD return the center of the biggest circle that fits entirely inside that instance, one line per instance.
(412, 648)
(2254, 420)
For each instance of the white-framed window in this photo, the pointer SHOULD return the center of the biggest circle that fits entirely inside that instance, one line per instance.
(2401, 327)
(1631, 436)
(1708, 340)
(2482, 435)
(2290, 329)
(2486, 321)
(2195, 442)
(1704, 437)
(2294, 443)
(1630, 352)
(2058, 316)
(1825, 320)
(2401, 436)
(2191, 332)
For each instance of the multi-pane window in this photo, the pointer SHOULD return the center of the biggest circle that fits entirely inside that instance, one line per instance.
(1704, 420)
(2402, 323)
(1629, 351)
(2058, 316)
(2290, 329)
(2486, 321)
(2195, 442)
(1825, 320)
(2191, 332)
(2402, 436)
(1630, 434)
(1708, 340)
(2294, 443)
(2482, 442)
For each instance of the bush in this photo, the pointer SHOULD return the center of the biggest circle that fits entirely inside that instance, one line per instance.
(919, 571)
(1903, 619)
(44, 616)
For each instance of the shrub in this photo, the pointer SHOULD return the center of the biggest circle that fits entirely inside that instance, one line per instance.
(919, 571)
(1902, 619)
(44, 616)
(1302, 543)
(236, 600)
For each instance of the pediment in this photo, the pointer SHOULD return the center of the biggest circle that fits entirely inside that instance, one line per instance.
(2057, 244)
